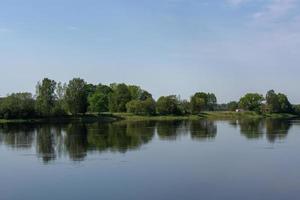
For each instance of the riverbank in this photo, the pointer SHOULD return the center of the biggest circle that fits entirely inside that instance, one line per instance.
(112, 117)
(223, 115)
(88, 118)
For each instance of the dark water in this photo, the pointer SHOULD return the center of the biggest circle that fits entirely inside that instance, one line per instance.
(246, 159)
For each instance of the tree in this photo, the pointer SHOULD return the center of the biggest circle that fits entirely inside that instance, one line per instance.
(168, 105)
(285, 105)
(119, 98)
(76, 96)
(17, 106)
(60, 107)
(135, 92)
(232, 106)
(99, 101)
(272, 101)
(140, 107)
(199, 102)
(185, 107)
(278, 103)
(45, 97)
(251, 102)
(211, 101)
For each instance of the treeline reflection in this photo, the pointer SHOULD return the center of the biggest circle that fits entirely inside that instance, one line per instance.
(273, 129)
(52, 141)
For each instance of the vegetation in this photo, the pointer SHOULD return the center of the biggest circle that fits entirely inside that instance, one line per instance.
(78, 98)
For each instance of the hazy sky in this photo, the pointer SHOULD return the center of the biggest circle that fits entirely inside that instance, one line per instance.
(228, 47)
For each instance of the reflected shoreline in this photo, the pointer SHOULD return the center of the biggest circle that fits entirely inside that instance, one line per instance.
(76, 140)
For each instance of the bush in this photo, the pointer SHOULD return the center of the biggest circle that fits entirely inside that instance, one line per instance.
(139, 107)
(17, 106)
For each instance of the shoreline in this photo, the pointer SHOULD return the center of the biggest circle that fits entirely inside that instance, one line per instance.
(112, 117)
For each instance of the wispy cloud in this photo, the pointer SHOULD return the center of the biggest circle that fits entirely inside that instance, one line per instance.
(236, 2)
(72, 28)
(275, 10)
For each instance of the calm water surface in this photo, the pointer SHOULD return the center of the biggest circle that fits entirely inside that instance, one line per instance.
(243, 159)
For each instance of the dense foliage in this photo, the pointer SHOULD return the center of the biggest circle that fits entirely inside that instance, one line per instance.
(78, 97)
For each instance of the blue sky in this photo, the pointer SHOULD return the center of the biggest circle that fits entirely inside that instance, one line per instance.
(228, 47)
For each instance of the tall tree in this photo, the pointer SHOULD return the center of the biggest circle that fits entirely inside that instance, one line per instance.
(211, 101)
(119, 98)
(199, 102)
(272, 102)
(45, 97)
(251, 102)
(76, 96)
(99, 101)
(168, 105)
(17, 106)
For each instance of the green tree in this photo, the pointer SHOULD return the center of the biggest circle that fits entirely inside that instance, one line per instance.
(60, 107)
(17, 106)
(168, 105)
(139, 107)
(272, 101)
(211, 101)
(45, 97)
(185, 107)
(278, 103)
(76, 96)
(232, 106)
(251, 102)
(119, 98)
(99, 101)
(285, 105)
(199, 102)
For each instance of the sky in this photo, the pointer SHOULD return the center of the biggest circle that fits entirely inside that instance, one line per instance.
(228, 47)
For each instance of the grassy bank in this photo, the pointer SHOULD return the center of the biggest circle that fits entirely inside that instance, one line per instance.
(89, 118)
(205, 115)
(108, 117)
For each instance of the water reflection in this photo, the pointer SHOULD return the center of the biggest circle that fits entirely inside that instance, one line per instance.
(274, 129)
(170, 130)
(202, 130)
(277, 129)
(52, 141)
(251, 128)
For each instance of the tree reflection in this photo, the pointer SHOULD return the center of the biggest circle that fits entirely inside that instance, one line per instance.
(277, 129)
(251, 128)
(45, 143)
(120, 136)
(203, 129)
(76, 141)
(169, 130)
(19, 136)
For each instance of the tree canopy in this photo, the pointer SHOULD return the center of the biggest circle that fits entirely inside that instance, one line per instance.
(79, 97)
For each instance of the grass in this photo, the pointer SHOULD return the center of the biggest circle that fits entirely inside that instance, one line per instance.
(111, 117)
(88, 118)
(204, 115)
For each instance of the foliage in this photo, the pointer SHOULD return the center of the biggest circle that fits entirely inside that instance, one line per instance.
(17, 106)
(251, 102)
(168, 105)
(46, 97)
(140, 107)
(278, 103)
(232, 106)
(76, 96)
(99, 100)
(119, 97)
(203, 101)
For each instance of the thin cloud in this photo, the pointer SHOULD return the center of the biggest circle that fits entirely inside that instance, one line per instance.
(236, 2)
(72, 28)
(275, 10)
